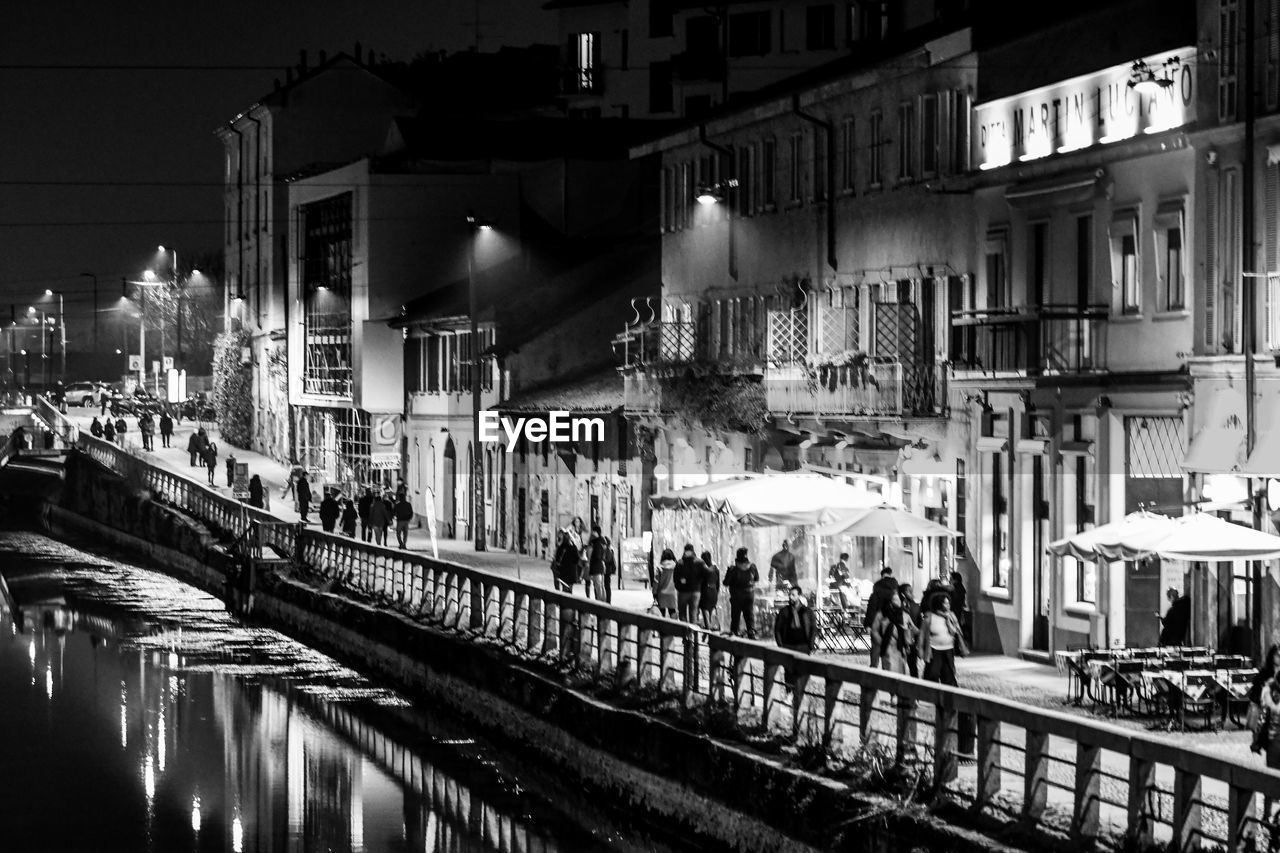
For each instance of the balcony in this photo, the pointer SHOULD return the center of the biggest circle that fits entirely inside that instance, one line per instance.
(1030, 341)
(659, 344)
(886, 389)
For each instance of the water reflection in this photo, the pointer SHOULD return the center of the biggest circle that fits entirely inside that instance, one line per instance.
(230, 737)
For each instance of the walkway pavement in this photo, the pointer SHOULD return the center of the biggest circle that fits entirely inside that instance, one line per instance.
(275, 476)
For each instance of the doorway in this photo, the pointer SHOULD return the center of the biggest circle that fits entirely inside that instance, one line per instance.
(448, 494)
(1041, 586)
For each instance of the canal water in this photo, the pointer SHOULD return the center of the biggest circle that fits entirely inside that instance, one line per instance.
(137, 714)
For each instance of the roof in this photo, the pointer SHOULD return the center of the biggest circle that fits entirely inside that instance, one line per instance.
(523, 138)
(598, 392)
(280, 92)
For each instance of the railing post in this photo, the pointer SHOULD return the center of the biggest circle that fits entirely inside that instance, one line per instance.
(644, 639)
(988, 762)
(665, 642)
(519, 608)
(944, 745)
(831, 702)
(716, 675)
(866, 710)
(689, 678)
(1088, 787)
(769, 683)
(1186, 809)
(738, 675)
(1242, 816)
(1035, 791)
(626, 669)
(536, 620)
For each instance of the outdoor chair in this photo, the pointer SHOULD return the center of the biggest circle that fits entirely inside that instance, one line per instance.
(1230, 662)
(1113, 691)
(1153, 696)
(1235, 700)
(1077, 678)
(1177, 665)
(1199, 699)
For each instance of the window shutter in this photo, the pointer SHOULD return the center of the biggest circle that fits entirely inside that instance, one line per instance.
(1211, 265)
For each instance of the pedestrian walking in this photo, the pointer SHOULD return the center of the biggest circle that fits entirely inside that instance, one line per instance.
(211, 460)
(121, 429)
(895, 634)
(379, 518)
(610, 569)
(166, 428)
(231, 469)
(664, 585)
(595, 565)
(362, 510)
(912, 608)
(104, 398)
(740, 580)
(302, 491)
(689, 584)
(565, 561)
(194, 448)
(960, 606)
(329, 512)
(349, 518)
(109, 431)
(255, 491)
(884, 589)
(709, 597)
(403, 514)
(95, 428)
(1267, 740)
(145, 429)
(1270, 666)
(941, 641)
(782, 568)
(290, 489)
(794, 629)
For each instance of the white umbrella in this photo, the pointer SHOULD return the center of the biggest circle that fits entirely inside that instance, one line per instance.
(1112, 541)
(1206, 538)
(792, 499)
(885, 520)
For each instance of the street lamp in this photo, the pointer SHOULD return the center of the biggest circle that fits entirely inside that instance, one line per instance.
(478, 226)
(62, 332)
(177, 285)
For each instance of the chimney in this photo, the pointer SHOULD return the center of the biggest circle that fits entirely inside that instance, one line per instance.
(302, 61)
(359, 53)
(322, 57)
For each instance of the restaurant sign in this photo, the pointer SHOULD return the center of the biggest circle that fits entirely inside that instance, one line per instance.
(1093, 109)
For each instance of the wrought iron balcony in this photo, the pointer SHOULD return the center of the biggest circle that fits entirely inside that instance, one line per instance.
(885, 389)
(1031, 341)
(659, 344)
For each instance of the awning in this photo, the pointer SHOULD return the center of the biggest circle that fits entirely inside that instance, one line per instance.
(1265, 459)
(1215, 450)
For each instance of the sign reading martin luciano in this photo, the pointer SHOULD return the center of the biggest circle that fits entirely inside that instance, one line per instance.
(1089, 110)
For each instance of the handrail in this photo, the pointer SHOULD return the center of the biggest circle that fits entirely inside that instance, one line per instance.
(833, 705)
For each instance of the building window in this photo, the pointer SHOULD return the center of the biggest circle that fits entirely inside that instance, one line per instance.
(875, 161)
(820, 27)
(1171, 258)
(866, 20)
(999, 286)
(743, 192)
(661, 96)
(906, 141)
(1086, 570)
(326, 295)
(1084, 260)
(848, 158)
(961, 109)
(1228, 63)
(929, 136)
(1038, 261)
(585, 62)
(749, 34)
(1126, 271)
(797, 159)
(999, 525)
(769, 172)
(819, 164)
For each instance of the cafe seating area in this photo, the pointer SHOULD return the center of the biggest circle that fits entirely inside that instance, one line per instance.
(1171, 685)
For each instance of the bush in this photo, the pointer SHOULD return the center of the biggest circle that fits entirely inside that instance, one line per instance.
(232, 388)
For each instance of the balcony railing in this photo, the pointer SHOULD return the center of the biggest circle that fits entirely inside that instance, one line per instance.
(657, 344)
(891, 389)
(1035, 340)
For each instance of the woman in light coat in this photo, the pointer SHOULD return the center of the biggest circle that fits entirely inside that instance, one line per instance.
(664, 586)
(894, 633)
(939, 638)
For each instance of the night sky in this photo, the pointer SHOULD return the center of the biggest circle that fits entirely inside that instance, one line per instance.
(108, 112)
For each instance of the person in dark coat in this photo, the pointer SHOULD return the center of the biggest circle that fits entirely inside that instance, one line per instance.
(193, 448)
(231, 469)
(564, 564)
(109, 430)
(960, 606)
(912, 609)
(1177, 619)
(211, 460)
(255, 491)
(362, 510)
(595, 565)
(146, 427)
(708, 601)
(795, 629)
(782, 567)
(689, 584)
(379, 518)
(95, 428)
(303, 492)
(884, 589)
(740, 580)
(329, 512)
(349, 518)
(403, 514)
(121, 429)
(610, 569)
(166, 428)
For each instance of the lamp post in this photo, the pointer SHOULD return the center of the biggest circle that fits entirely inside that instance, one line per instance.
(478, 227)
(62, 333)
(177, 286)
(96, 343)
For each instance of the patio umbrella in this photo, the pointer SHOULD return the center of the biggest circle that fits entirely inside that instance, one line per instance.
(791, 499)
(1206, 538)
(1112, 541)
(884, 521)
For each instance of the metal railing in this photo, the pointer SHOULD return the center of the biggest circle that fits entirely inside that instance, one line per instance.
(1060, 774)
(1045, 339)
(888, 389)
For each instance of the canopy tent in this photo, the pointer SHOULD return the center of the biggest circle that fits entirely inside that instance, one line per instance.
(1110, 541)
(792, 499)
(1195, 538)
(885, 520)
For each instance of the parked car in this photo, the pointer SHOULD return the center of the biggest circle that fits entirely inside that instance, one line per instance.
(84, 393)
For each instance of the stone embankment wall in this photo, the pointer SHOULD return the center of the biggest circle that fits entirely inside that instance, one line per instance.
(679, 785)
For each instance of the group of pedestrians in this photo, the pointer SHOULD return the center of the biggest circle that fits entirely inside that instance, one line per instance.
(588, 560)
(688, 589)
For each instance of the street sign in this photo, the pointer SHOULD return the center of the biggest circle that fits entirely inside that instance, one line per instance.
(240, 481)
(168, 362)
(155, 367)
(384, 461)
(386, 431)
(135, 363)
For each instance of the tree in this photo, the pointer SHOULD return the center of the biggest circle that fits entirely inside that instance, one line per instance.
(232, 388)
